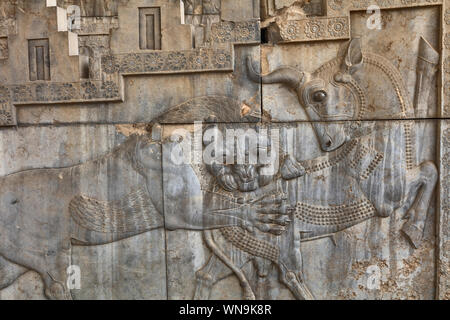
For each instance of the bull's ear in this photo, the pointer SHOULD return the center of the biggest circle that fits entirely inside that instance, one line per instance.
(354, 59)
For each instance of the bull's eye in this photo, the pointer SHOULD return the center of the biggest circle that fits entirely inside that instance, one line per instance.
(319, 96)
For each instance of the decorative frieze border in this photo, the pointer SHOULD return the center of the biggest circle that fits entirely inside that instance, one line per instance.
(336, 24)
(246, 32)
(443, 261)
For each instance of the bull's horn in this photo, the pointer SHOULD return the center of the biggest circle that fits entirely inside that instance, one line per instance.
(285, 75)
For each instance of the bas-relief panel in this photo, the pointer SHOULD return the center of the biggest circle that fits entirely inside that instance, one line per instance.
(351, 211)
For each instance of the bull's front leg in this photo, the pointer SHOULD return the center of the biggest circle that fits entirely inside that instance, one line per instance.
(420, 184)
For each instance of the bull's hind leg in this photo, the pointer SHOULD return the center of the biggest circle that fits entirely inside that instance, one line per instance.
(420, 184)
(9, 272)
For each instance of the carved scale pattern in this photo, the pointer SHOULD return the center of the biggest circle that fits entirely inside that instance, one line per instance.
(402, 96)
(372, 166)
(237, 32)
(335, 216)
(353, 155)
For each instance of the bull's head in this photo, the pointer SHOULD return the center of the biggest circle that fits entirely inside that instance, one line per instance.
(326, 95)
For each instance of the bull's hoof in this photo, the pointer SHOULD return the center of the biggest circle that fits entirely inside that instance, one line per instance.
(413, 233)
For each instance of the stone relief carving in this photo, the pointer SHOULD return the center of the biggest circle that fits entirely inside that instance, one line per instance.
(352, 157)
(444, 252)
(7, 17)
(311, 29)
(367, 169)
(4, 53)
(105, 69)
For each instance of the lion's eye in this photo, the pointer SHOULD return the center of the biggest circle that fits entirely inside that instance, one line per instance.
(319, 96)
